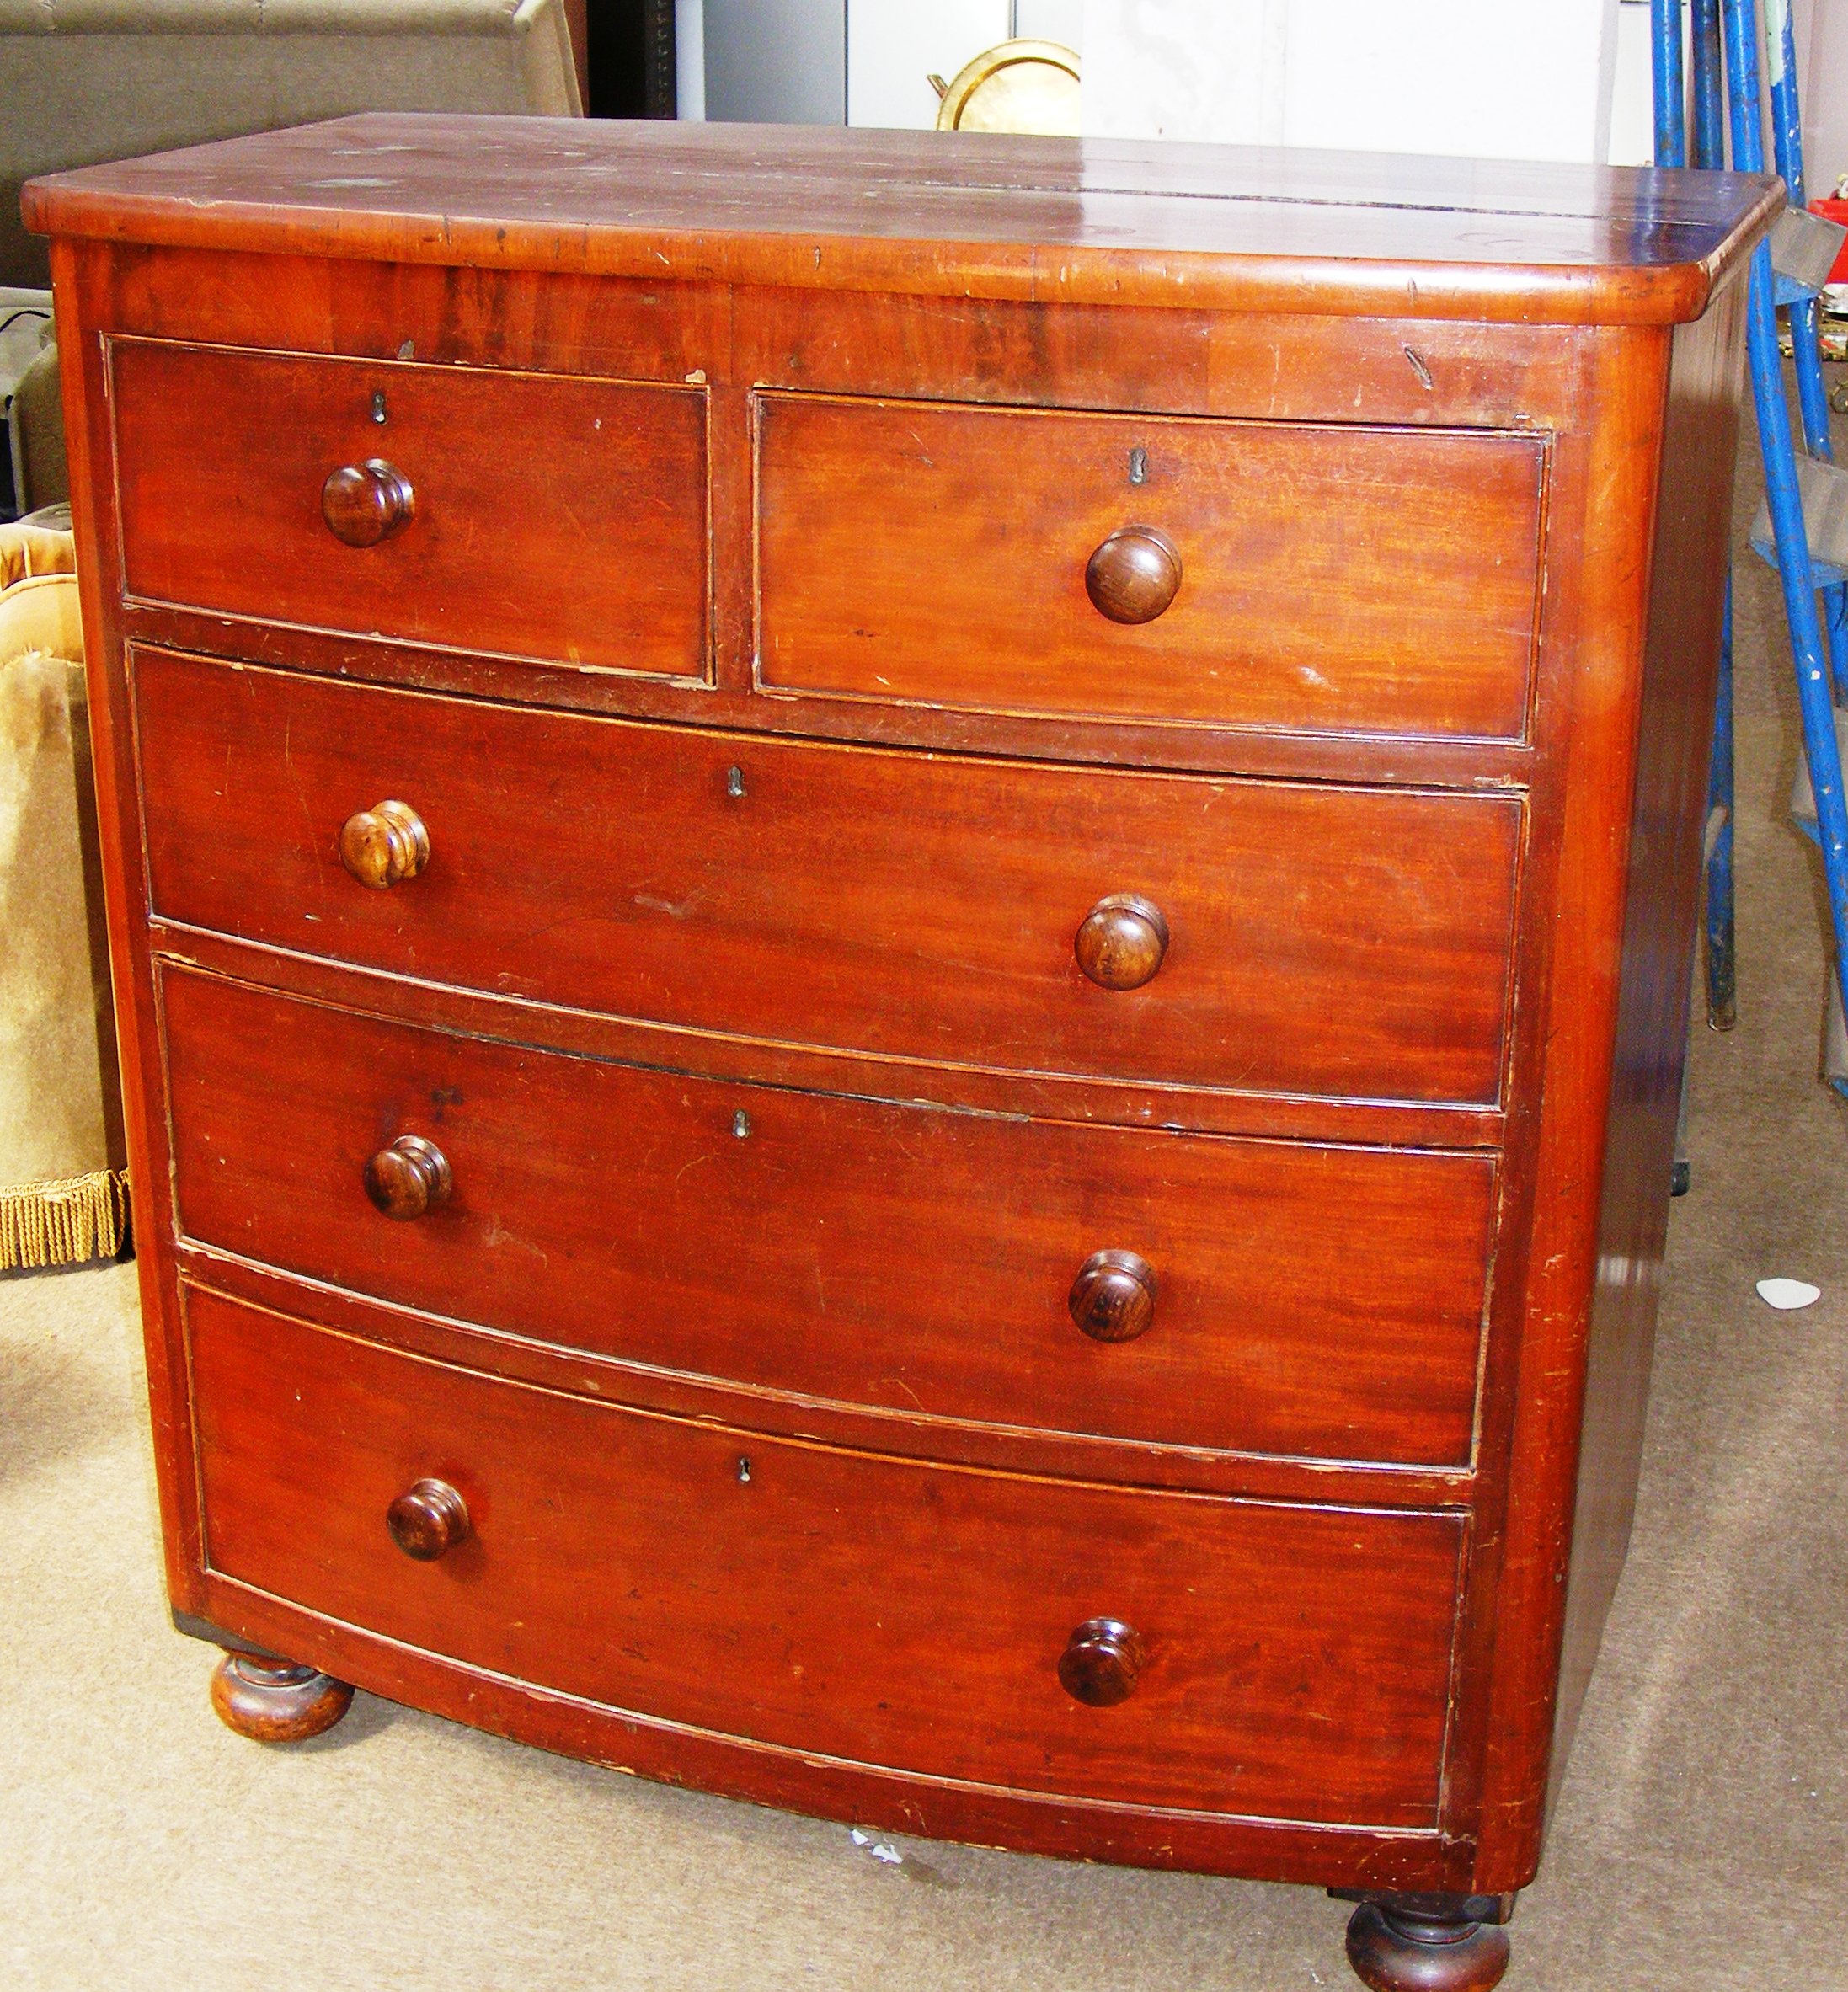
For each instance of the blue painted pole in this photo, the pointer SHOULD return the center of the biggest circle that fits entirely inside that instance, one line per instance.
(1805, 313)
(1666, 88)
(1813, 698)
(1721, 959)
(1709, 84)
(1722, 911)
(1787, 144)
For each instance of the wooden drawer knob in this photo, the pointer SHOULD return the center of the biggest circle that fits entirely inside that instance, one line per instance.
(1113, 1299)
(1100, 1663)
(383, 845)
(365, 503)
(410, 1177)
(428, 1519)
(1122, 941)
(1134, 575)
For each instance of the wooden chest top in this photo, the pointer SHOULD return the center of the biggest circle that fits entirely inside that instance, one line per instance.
(1097, 221)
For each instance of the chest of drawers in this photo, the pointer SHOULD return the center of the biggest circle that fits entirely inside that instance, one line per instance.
(902, 934)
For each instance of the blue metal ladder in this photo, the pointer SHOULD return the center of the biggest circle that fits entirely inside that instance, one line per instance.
(1735, 23)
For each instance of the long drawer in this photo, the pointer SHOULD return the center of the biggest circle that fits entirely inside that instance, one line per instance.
(1267, 1660)
(1256, 936)
(1283, 575)
(1269, 1297)
(535, 515)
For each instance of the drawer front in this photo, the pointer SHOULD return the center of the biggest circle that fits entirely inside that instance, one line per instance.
(1295, 1662)
(1344, 942)
(549, 518)
(1330, 580)
(1307, 1300)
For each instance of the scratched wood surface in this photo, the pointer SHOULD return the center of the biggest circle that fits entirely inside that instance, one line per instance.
(547, 518)
(1076, 219)
(1310, 1299)
(712, 892)
(1331, 580)
(1423, 966)
(1263, 1690)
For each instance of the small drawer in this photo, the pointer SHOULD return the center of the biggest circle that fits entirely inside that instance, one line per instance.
(1256, 574)
(1183, 1290)
(530, 516)
(1250, 936)
(1115, 1645)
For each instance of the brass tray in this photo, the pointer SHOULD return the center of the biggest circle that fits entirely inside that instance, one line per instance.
(1021, 85)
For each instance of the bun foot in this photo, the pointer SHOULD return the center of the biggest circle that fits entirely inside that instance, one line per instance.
(1422, 1946)
(273, 1701)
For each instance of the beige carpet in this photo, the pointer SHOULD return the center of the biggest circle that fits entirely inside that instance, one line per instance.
(1700, 1842)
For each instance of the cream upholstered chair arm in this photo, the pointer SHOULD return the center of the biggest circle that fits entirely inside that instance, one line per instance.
(62, 1188)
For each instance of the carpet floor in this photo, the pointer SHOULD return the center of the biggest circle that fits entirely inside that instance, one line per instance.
(1699, 1841)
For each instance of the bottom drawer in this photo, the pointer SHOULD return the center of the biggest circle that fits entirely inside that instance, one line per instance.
(1286, 1662)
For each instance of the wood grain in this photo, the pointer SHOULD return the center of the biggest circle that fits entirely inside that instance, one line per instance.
(1313, 1299)
(1534, 1387)
(555, 519)
(702, 1575)
(1378, 941)
(1661, 917)
(271, 1701)
(1387, 917)
(1076, 220)
(1335, 579)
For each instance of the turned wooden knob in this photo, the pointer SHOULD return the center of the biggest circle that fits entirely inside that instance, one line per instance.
(407, 1179)
(381, 847)
(1113, 1299)
(428, 1521)
(1134, 575)
(1122, 941)
(1102, 1662)
(365, 503)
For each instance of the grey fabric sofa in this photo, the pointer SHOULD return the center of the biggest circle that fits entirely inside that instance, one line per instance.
(87, 80)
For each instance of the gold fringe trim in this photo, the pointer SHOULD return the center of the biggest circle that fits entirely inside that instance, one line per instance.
(63, 1223)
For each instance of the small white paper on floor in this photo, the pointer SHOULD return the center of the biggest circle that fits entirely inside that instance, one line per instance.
(1786, 1293)
(880, 1849)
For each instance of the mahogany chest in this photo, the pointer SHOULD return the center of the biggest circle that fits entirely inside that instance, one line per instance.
(902, 932)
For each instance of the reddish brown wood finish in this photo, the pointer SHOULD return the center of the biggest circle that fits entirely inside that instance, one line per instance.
(1052, 1095)
(428, 1521)
(948, 939)
(700, 1576)
(1103, 1661)
(365, 503)
(1536, 1401)
(1415, 1947)
(1336, 579)
(409, 1177)
(1135, 573)
(564, 519)
(1123, 941)
(1176, 284)
(384, 846)
(273, 1701)
(1073, 221)
(1661, 913)
(1313, 1299)
(1113, 1299)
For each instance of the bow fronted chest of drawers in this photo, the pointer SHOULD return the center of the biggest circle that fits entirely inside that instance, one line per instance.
(902, 932)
